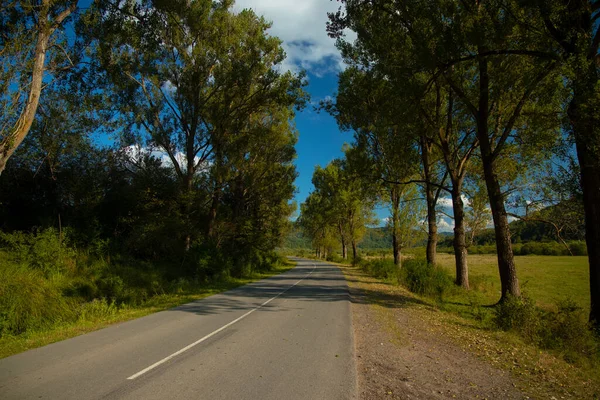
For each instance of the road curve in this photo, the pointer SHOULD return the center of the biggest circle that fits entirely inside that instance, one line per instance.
(285, 337)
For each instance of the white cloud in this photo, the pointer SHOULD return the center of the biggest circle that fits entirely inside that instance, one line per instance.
(301, 26)
(446, 202)
(445, 226)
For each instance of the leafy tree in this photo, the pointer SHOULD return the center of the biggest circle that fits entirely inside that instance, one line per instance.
(568, 31)
(478, 52)
(31, 44)
(193, 93)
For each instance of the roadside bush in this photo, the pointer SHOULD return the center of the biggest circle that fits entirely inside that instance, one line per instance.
(29, 301)
(335, 258)
(425, 279)
(565, 330)
(97, 309)
(42, 250)
(578, 248)
(381, 268)
(519, 314)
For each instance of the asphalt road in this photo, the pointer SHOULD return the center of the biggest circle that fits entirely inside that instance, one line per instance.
(286, 337)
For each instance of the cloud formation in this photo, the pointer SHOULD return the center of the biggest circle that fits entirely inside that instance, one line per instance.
(301, 26)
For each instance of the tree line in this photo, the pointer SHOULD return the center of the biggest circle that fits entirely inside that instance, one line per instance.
(163, 128)
(478, 100)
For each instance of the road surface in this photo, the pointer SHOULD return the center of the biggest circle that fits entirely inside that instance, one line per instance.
(285, 337)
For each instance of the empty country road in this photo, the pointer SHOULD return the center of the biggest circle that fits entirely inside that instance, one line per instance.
(285, 337)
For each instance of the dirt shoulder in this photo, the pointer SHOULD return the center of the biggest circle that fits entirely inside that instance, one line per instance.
(407, 349)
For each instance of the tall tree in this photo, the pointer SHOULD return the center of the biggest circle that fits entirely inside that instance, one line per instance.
(189, 90)
(478, 52)
(572, 27)
(28, 43)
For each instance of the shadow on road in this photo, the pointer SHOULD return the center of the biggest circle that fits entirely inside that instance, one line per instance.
(321, 282)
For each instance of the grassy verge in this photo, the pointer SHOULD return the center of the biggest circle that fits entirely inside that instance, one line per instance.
(538, 373)
(101, 313)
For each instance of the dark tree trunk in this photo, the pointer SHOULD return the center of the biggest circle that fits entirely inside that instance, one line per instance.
(579, 45)
(187, 210)
(506, 260)
(354, 250)
(432, 236)
(395, 197)
(459, 242)
(587, 140)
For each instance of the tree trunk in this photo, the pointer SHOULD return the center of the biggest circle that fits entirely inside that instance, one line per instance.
(354, 250)
(343, 240)
(432, 237)
(23, 124)
(460, 247)
(587, 140)
(506, 260)
(216, 195)
(396, 249)
(395, 197)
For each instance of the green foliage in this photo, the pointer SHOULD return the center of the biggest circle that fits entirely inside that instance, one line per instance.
(416, 275)
(45, 283)
(423, 278)
(381, 268)
(565, 329)
(30, 301)
(42, 251)
(334, 257)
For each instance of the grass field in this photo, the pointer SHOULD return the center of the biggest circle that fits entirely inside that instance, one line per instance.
(546, 279)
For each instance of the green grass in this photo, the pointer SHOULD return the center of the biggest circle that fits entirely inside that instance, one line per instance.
(546, 279)
(102, 313)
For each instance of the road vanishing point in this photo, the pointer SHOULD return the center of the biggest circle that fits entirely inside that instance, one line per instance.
(286, 337)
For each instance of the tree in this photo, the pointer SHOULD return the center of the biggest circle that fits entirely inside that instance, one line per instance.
(192, 92)
(28, 44)
(472, 48)
(568, 30)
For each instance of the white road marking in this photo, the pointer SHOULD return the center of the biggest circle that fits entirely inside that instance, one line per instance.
(186, 348)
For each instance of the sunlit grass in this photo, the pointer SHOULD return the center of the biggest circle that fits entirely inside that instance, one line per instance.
(546, 279)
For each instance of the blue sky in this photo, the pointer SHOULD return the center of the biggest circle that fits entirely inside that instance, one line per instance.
(309, 48)
(320, 140)
(301, 27)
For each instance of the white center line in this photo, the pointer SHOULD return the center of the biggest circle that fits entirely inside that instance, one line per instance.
(186, 348)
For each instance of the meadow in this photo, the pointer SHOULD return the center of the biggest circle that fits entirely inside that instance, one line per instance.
(548, 280)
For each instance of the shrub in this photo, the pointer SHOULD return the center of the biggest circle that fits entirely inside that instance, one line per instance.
(381, 268)
(28, 301)
(334, 257)
(96, 309)
(42, 250)
(565, 330)
(519, 314)
(424, 278)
